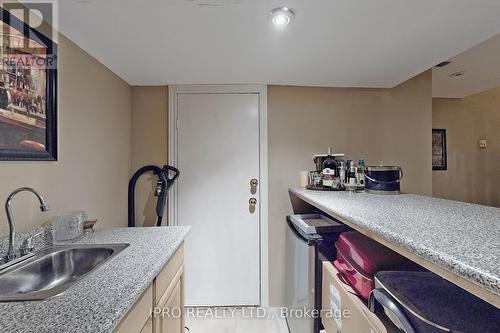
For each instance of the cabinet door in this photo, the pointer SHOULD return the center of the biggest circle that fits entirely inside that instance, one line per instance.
(139, 315)
(343, 311)
(170, 272)
(172, 319)
(148, 328)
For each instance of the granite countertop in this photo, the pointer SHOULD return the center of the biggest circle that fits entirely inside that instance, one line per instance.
(461, 238)
(101, 299)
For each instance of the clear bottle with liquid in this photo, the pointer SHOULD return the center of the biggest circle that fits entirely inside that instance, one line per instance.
(342, 173)
(360, 173)
(352, 175)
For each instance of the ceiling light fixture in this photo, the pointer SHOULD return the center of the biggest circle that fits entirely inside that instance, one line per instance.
(281, 17)
(457, 74)
(444, 63)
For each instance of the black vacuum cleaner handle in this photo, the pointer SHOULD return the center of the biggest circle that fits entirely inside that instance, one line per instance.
(167, 182)
(170, 181)
(160, 203)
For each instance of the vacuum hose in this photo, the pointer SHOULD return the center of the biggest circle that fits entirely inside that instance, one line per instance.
(163, 185)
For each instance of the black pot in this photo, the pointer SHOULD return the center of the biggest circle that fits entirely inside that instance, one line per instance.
(383, 179)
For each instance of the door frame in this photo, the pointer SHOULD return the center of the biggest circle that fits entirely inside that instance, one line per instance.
(172, 154)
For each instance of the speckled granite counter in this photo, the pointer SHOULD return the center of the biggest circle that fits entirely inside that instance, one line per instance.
(458, 237)
(101, 299)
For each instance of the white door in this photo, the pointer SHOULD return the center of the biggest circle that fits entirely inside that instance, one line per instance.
(218, 156)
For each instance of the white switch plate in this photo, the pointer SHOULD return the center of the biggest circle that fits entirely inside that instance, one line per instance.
(482, 144)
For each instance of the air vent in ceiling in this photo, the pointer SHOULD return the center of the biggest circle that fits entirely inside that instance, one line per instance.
(444, 63)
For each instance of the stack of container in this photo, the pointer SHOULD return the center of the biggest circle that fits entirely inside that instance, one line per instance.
(415, 300)
(359, 258)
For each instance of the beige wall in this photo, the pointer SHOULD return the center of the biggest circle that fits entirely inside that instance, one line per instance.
(149, 145)
(94, 148)
(392, 125)
(473, 173)
(389, 125)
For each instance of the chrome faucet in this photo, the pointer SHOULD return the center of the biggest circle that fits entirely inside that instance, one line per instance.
(12, 228)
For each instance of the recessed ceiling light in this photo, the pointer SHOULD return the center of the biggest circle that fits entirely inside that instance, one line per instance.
(457, 74)
(444, 63)
(281, 17)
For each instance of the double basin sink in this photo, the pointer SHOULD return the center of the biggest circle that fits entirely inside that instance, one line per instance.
(53, 270)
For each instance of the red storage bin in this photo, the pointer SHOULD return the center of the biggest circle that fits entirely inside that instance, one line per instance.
(359, 258)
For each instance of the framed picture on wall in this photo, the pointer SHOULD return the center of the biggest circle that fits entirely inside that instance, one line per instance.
(439, 161)
(28, 100)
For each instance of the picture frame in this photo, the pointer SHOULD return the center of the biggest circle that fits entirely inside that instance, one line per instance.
(28, 92)
(439, 153)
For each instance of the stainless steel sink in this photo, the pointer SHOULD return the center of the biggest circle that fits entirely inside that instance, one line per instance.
(53, 270)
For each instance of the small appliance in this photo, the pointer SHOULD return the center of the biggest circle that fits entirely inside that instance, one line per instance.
(383, 179)
(309, 241)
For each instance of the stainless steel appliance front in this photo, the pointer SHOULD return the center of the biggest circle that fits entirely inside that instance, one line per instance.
(300, 281)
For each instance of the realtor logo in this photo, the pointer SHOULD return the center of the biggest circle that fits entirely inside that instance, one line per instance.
(40, 24)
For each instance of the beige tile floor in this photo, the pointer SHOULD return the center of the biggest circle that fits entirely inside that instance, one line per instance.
(234, 320)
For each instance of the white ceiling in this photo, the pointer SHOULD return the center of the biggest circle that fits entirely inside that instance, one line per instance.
(481, 65)
(342, 43)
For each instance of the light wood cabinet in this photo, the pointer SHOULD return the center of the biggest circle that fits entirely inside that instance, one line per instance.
(173, 322)
(342, 310)
(138, 315)
(148, 328)
(161, 307)
(165, 280)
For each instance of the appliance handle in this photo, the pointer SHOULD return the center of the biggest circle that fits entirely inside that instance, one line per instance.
(295, 232)
(387, 182)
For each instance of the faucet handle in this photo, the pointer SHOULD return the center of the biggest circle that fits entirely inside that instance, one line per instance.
(28, 246)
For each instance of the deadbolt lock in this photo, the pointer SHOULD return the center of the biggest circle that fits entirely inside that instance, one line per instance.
(254, 182)
(252, 201)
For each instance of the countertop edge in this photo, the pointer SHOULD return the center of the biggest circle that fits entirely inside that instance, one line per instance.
(99, 302)
(443, 265)
(150, 280)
